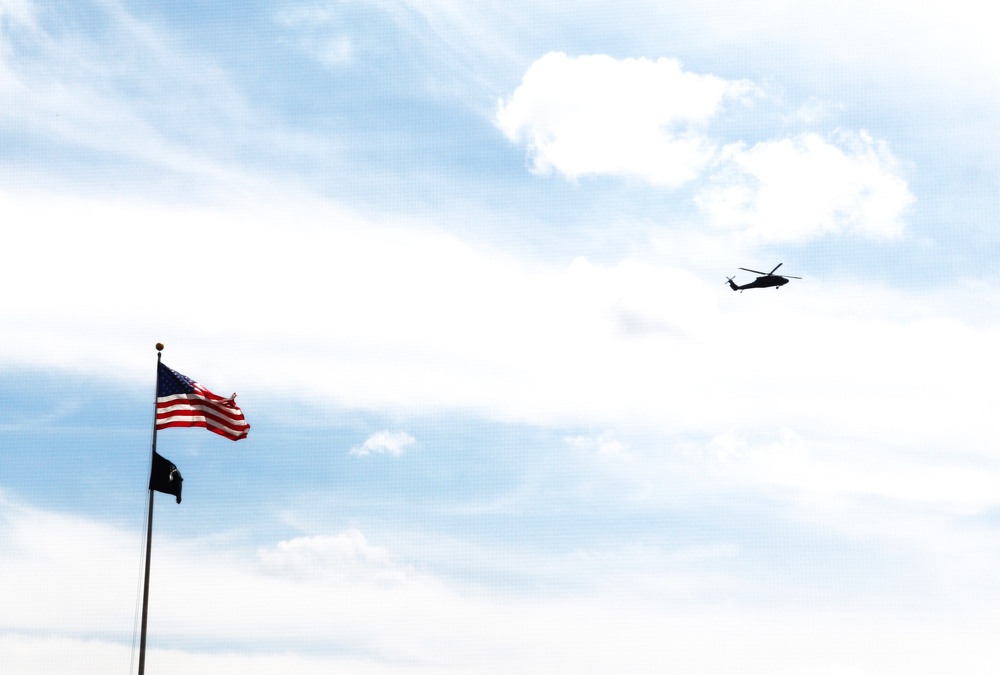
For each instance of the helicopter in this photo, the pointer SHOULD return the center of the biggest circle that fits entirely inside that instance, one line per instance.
(765, 280)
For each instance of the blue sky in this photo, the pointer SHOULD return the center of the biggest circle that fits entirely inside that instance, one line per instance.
(463, 264)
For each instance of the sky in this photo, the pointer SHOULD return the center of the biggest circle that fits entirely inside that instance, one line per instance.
(465, 266)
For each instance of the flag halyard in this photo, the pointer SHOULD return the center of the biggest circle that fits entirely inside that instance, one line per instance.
(182, 402)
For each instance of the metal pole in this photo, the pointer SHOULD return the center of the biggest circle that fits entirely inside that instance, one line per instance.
(145, 588)
(149, 528)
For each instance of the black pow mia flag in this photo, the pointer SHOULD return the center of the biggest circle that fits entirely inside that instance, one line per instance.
(164, 477)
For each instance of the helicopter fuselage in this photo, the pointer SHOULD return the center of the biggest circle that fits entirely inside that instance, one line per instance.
(766, 282)
(769, 281)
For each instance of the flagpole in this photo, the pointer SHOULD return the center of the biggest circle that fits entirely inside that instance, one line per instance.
(149, 526)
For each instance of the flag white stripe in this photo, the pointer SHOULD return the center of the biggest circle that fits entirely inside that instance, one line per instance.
(233, 413)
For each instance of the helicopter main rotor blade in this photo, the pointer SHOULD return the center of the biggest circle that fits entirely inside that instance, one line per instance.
(763, 274)
(785, 276)
(775, 268)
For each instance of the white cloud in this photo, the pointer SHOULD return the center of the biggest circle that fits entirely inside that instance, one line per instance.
(602, 444)
(597, 115)
(384, 443)
(955, 482)
(635, 117)
(798, 188)
(342, 558)
(37, 575)
(282, 606)
(453, 326)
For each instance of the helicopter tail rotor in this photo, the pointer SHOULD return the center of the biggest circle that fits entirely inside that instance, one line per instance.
(731, 284)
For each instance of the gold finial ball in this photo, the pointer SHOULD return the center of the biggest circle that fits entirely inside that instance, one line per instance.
(159, 346)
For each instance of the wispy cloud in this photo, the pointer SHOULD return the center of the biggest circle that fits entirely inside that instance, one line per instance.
(319, 32)
(136, 102)
(18, 12)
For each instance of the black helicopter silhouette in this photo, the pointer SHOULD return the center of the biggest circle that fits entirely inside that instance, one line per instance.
(765, 280)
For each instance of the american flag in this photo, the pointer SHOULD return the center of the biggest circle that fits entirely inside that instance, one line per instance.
(182, 402)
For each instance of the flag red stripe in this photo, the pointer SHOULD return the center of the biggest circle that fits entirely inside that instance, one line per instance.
(227, 413)
(182, 415)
